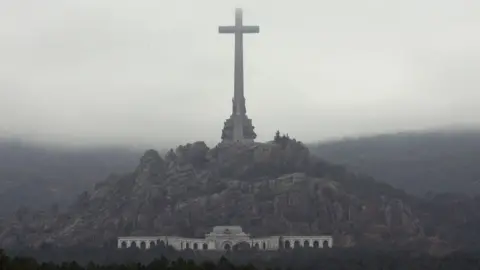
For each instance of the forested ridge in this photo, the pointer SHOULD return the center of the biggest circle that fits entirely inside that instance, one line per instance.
(420, 163)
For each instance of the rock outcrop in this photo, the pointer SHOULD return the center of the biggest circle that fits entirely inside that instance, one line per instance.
(268, 189)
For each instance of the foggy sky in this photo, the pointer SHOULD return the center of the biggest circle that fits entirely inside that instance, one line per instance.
(150, 71)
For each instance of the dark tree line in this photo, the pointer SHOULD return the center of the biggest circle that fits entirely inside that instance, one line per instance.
(313, 259)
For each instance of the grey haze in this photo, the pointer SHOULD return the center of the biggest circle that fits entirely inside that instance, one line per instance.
(153, 72)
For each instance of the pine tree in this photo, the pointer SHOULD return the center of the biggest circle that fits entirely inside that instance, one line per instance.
(277, 136)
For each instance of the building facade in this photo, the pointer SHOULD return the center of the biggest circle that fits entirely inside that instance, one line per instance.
(226, 238)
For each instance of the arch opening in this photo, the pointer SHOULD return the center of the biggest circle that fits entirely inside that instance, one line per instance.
(296, 244)
(315, 244)
(241, 246)
(123, 244)
(143, 245)
(325, 244)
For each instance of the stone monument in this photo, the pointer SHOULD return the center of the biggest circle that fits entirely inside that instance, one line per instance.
(238, 128)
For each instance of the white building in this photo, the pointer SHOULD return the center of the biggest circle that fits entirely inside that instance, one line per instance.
(226, 238)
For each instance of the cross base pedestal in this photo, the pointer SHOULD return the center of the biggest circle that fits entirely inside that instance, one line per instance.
(229, 134)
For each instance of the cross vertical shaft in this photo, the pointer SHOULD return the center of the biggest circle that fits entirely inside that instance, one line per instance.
(238, 70)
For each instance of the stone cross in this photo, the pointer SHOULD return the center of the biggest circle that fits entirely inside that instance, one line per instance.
(238, 29)
(239, 109)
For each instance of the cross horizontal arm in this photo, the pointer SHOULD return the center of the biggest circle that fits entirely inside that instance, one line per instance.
(242, 29)
(226, 29)
(251, 29)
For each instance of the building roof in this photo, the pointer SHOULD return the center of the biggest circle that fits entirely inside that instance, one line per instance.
(227, 230)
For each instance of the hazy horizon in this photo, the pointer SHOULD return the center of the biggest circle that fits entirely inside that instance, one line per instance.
(165, 146)
(152, 73)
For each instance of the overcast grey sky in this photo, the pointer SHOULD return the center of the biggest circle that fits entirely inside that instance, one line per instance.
(157, 71)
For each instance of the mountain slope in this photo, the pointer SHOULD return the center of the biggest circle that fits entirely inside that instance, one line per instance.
(272, 188)
(38, 176)
(446, 161)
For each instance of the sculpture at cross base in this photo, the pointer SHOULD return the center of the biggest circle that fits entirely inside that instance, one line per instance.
(238, 128)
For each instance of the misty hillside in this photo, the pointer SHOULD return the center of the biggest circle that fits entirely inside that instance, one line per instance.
(270, 188)
(415, 162)
(37, 176)
(273, 188)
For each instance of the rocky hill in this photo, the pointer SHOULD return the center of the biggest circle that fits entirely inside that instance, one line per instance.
(271, 188)
(418, 162)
